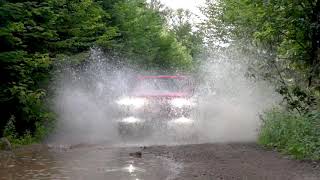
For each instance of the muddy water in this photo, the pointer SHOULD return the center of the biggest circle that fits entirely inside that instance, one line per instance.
(85, 162)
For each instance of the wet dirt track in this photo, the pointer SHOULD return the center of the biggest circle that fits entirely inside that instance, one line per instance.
(206, 161)
(237, 161)
(83, 162)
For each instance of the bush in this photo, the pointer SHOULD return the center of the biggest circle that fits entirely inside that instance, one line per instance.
(294, 134)
(26, 138)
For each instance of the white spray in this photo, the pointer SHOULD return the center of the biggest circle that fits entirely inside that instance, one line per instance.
(229, 103)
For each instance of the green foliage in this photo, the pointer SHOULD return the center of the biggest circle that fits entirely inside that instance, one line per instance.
(283, 40)
(293, 134)
(80, 24)
(31, 34)
(35, 35)
(283, 36)
(183, 29)
(28, 137)
(143, 35)
(11, 133)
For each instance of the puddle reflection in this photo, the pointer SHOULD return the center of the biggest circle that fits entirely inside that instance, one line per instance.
(131, 169)
(85, 163)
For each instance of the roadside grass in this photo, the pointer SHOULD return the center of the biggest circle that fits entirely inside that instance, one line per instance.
(16, 140)
(293, 134)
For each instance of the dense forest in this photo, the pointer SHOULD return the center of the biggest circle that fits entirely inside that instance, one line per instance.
(283, 38)
(37, 35)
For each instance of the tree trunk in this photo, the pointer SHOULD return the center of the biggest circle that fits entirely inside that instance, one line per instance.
(315, 49)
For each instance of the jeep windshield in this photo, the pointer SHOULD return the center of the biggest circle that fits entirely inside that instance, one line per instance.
(161, 86)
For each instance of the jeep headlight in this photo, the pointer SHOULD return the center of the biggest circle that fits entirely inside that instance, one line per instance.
(181, 121)
(132, 102)
(182, 102)
(131, 120)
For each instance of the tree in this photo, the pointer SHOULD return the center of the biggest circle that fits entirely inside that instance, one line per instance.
(283, 35)
(32, 34)
(187, 34)
(143, 35)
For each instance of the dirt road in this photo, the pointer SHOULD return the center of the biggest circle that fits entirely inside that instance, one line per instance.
(206, 161)
(236, 161)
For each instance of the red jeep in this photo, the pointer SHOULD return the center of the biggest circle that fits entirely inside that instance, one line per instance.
(156, 102)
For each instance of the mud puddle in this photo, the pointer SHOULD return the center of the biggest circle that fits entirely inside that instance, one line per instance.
(197, 161)
(86, 162)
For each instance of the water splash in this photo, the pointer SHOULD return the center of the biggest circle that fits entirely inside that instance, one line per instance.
(229, 102)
